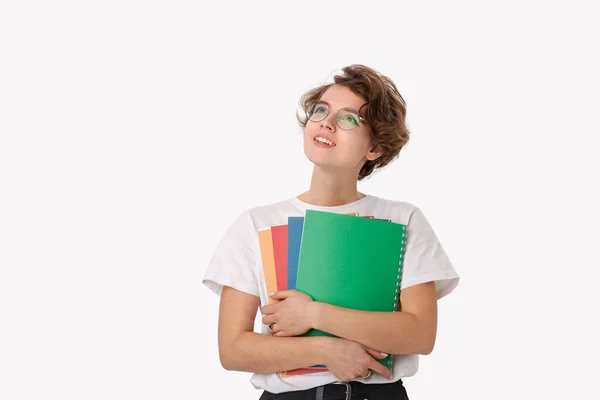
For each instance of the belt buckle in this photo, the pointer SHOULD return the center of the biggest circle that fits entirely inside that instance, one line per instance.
(348, 391)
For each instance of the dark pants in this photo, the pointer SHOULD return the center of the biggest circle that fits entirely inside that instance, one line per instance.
(350, 391)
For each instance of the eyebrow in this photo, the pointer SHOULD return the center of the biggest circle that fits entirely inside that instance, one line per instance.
(323, 101)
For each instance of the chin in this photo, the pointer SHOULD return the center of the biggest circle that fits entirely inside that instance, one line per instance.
(320, 162)
(318, 157)
(313, 156)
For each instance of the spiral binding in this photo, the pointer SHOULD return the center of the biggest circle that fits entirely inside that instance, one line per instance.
(399, 276)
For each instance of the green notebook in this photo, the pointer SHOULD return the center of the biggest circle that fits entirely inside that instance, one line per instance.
(351, 262)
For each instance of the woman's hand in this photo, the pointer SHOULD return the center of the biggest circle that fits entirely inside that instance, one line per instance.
(349, 360)
(293, 315)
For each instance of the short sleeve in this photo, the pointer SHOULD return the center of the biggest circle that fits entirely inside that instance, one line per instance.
(234, 259)
(425, 259)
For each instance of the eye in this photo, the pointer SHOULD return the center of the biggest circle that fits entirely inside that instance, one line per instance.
(320, 109)
(351, 119)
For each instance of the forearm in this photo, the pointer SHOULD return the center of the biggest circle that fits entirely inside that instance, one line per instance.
(263, 354)
(388, 332)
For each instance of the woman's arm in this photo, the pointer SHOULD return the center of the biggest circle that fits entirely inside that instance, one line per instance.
(409, 331)
(241, 349)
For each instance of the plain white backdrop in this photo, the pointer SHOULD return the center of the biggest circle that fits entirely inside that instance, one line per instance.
(132, 133)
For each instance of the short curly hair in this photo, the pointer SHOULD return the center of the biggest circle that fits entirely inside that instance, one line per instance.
(385, 111)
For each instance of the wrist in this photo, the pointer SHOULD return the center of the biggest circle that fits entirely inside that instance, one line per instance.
(324, 346)
(315, 310)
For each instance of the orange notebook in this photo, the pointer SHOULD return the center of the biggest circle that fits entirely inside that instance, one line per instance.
(265, 240)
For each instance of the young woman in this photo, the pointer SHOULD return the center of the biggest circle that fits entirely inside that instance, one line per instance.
(351, 127)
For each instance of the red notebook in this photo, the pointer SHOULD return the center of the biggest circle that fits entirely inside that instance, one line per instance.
(280, 255)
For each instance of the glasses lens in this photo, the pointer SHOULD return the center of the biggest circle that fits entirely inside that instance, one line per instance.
(347, 119)
(318, 112)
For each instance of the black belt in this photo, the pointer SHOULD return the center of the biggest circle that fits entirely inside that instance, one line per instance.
(332, 391)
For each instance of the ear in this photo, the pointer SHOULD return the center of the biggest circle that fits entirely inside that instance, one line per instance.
(374, 153)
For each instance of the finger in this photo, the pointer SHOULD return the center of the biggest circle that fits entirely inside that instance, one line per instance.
(270, 309)
(380, 369)
(376, 354)
(276, 332)
(280, 295)
(268, 319)
(285, 334)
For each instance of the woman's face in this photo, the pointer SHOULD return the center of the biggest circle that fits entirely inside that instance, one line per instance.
(347, 150)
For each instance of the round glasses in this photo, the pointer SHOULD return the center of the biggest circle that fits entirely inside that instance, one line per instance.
(345, 118)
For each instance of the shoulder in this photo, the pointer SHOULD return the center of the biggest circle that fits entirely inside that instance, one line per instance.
(260, 210)
(396, 204)
(266, 215)
(399, 210)
(245, 225)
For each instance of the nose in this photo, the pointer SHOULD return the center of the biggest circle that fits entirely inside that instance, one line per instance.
(329, 122)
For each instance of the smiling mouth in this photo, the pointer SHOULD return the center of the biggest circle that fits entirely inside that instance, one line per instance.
(324, 141)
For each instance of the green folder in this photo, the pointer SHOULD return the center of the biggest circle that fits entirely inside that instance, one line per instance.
(351, 262)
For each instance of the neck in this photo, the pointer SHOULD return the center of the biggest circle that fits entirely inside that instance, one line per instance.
(328, 189)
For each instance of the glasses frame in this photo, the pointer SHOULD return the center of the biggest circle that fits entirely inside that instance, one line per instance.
(360, 117)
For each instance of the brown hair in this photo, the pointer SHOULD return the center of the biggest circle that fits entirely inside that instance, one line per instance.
(385, 111)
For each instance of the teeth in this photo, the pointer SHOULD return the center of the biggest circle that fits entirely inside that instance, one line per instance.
(323, 140)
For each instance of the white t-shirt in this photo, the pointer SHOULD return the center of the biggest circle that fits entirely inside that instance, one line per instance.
(237, 263)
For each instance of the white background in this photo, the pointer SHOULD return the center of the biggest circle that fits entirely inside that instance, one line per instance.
(132, 133)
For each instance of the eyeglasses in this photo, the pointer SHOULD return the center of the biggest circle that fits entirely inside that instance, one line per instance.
(346, 118)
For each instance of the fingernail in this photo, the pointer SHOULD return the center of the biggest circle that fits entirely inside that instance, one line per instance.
(384, 354)
(271, 294)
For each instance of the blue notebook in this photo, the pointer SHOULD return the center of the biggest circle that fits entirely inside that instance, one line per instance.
(295, 225)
